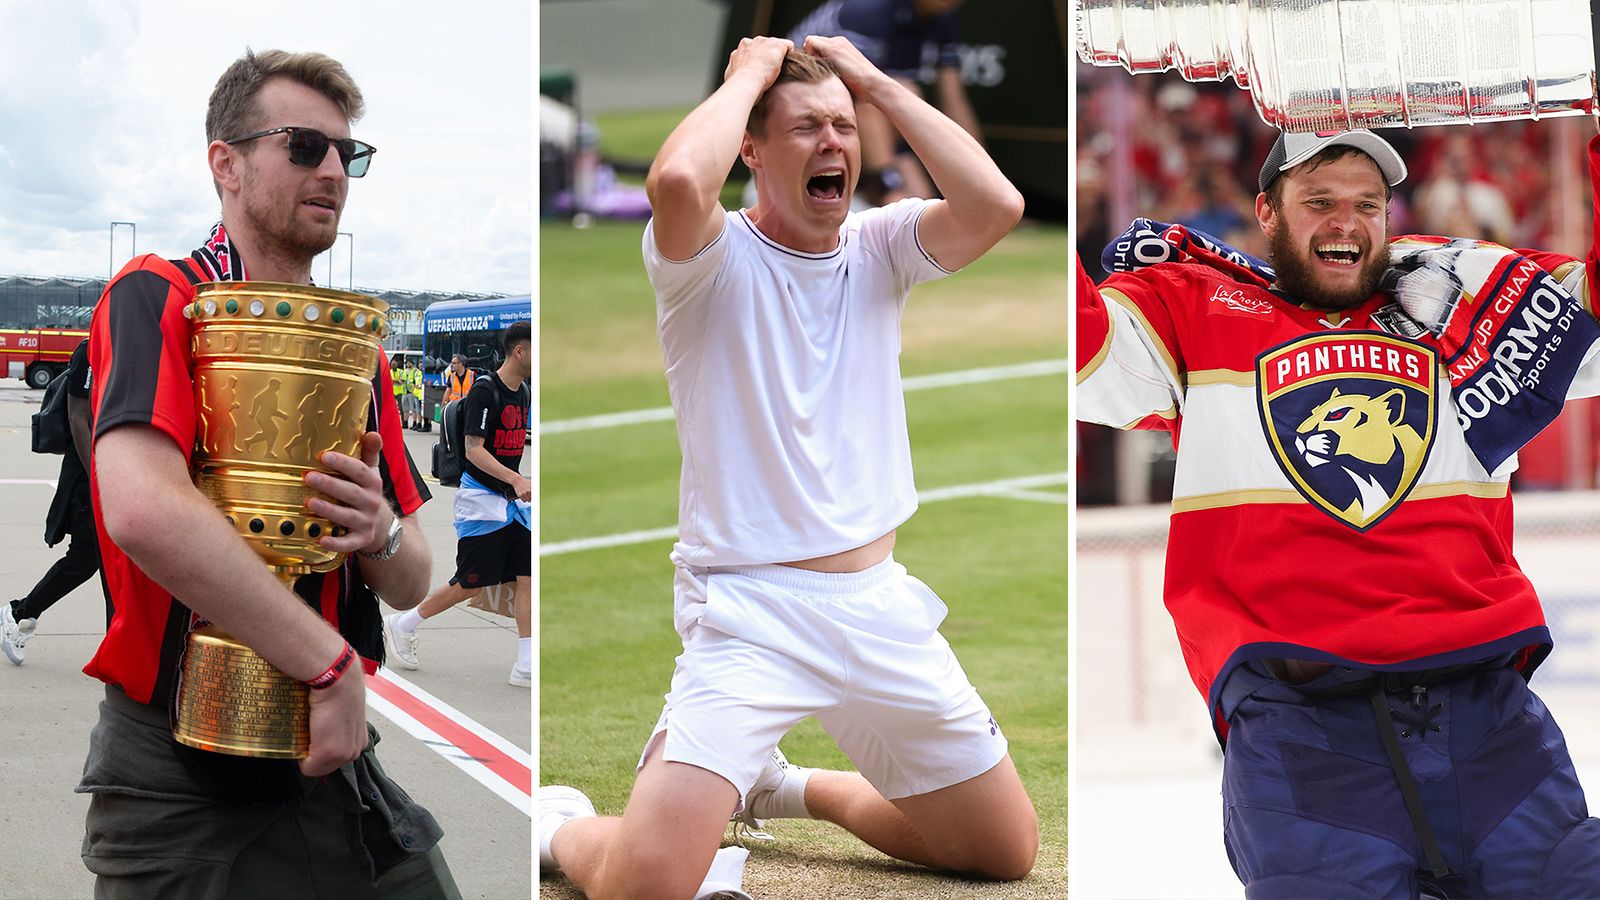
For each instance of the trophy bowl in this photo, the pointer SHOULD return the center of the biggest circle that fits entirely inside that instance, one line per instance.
(282, 374)
(1333, 65)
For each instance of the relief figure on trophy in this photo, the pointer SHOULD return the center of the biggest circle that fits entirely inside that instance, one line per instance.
(264, 409)
(311, 437)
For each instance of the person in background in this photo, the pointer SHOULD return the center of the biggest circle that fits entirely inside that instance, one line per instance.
(492, 508)
(457, 380)
(71, 513)
(912, 41)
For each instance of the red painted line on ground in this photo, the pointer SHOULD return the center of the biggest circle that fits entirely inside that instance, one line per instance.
(493, 758)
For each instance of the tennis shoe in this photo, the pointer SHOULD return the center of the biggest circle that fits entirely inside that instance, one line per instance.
(14, 634)
(402, 645)
(558, 805)
(520, 677)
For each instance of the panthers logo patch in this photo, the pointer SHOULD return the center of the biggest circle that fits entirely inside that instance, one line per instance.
(1350, 418)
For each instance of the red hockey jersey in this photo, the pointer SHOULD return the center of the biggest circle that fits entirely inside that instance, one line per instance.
(1326, 505)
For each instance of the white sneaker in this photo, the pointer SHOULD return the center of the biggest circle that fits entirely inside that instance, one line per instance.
(558, 805)
(14, 634)
(402, 645)
(745, 824)
(520, 677)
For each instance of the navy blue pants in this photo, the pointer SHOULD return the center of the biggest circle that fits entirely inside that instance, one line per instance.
(1312, 808)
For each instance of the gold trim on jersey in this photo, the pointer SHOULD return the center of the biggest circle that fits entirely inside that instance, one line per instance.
(1124, 301)
(1222, 376)
(1170, 414)
(1560, 274)
(1224, 499)
(1088, 368)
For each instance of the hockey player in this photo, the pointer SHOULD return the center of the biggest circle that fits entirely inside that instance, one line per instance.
(1339, 563)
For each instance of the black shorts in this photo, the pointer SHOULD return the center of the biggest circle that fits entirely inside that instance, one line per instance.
(494, 558)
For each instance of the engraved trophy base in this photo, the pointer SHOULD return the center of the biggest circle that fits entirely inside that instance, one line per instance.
(232, 701)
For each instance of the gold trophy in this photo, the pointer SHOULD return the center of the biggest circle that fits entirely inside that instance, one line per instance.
(283, 373)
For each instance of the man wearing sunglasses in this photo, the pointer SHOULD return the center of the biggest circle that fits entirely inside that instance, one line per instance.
(166, 820)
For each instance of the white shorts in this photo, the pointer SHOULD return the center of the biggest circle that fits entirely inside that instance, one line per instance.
(767, 646)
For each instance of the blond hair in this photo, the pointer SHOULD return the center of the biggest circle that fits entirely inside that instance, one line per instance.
(799, 66)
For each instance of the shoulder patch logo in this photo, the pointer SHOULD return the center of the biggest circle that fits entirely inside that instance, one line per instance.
(1350, 419)
(1237, 302)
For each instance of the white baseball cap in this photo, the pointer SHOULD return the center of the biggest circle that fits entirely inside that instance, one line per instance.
(1290, 150)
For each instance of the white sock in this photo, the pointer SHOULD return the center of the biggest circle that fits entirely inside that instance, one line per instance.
(726, 875)
(409, 620)
(525, 654)
(787, 800)
(547, 831)
(558, 805)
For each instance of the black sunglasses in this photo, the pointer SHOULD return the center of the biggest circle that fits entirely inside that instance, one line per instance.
(309, 147)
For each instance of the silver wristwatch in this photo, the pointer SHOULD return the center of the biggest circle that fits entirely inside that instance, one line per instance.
(391, 546)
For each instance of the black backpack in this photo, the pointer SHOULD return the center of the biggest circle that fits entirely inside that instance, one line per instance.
(450, 451)
(51, 431)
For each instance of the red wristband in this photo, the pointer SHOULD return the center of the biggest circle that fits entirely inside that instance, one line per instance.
(340, 665)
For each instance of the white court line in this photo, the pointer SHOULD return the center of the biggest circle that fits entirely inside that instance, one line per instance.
(49, 481)
(1002, 488)
(488, 758)
(1037, 496)
(610, 540)
(915, 383)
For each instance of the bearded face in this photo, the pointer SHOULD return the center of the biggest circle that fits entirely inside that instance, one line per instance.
(1329, 236)
(1302, 263)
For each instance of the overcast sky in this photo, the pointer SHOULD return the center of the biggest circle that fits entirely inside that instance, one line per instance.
(102, 118)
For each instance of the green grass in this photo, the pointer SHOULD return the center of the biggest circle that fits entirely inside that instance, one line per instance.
(636, 135)
(606, 638)
(598, 351)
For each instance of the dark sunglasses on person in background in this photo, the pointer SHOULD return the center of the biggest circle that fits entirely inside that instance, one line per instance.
(309, 147)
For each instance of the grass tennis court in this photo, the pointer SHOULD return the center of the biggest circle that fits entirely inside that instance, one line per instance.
(999, 561)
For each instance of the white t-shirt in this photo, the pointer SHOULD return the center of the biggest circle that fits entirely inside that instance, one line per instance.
(784, 373)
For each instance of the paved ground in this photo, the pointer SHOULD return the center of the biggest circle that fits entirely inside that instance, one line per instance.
(49, 704)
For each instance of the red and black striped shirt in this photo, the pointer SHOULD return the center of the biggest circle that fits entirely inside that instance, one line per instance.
(141, 352)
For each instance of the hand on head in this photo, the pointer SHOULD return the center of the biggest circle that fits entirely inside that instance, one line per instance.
(759, 55)
(855, 70)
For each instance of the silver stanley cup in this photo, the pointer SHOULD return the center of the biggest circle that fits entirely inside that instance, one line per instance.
(1332, 65)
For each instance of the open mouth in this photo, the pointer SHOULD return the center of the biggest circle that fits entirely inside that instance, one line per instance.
(321, 204)
(827, 185)
(1341, 254)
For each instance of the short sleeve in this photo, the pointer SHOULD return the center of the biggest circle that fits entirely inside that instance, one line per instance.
(139, 342)
(475, 409)
(78, 377)
(890, 232)
(945, 34)
(676, 281)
